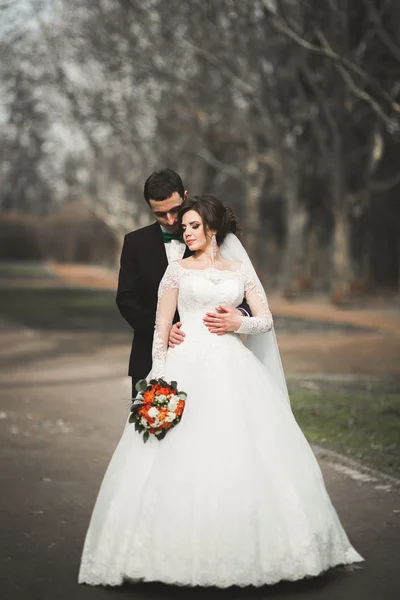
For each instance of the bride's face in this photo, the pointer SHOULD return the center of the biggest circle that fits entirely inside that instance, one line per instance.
(193, 231)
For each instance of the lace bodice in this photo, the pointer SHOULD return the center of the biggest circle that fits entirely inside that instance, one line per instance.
(195, 292)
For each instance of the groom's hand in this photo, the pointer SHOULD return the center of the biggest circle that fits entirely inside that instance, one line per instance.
(224, 320)
(176, 335)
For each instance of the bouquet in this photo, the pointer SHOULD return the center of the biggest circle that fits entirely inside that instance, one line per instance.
(157, 408)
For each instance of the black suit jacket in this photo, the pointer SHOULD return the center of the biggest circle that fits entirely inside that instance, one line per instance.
(143, 264)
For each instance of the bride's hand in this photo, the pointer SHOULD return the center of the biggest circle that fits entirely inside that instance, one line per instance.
(176, 335)
(226, 319)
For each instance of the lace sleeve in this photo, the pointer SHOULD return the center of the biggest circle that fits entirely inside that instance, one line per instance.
(261, 321)
(166, 307)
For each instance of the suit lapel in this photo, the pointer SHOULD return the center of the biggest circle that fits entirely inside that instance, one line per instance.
(156, 251)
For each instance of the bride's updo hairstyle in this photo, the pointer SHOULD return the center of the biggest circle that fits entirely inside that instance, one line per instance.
(215, 216)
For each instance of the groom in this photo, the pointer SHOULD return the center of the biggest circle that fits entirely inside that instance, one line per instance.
(145, 256)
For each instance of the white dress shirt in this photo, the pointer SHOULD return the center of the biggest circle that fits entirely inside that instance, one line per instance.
(174, 249)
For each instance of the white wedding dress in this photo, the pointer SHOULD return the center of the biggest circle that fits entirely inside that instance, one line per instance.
(233, 495)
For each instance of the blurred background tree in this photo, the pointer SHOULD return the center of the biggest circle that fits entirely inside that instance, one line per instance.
(288, 111)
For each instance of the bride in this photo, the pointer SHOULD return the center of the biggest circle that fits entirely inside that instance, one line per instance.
(233, 495)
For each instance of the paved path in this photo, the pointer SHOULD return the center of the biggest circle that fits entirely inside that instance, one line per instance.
(320, 310)
(387, 321)
(64, 399)
(369, 347)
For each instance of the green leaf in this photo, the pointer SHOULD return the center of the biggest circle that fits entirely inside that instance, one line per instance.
(141, 385)
(153, 381)
(135, 408)
(182, 395)
(174, 385)
(146, 436)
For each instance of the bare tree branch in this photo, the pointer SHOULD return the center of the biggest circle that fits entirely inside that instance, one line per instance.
(242, 85)
(265, 159)
(61, 79)
(281, 26)
(327, 51)
(384, 186)
(382, 32)
(212, 160)
(368, 97)
(322, 103)
(363, 95)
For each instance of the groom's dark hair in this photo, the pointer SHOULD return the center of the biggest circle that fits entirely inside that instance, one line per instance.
(162, 184)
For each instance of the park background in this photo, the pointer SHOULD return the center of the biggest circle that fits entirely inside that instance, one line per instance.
(290, 113)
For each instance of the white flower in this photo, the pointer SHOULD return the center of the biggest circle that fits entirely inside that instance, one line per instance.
(153, 412)
(172, 404)
(170, 417)
(162, 398)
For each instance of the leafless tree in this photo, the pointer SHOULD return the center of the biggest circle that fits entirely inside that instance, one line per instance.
(289, 111)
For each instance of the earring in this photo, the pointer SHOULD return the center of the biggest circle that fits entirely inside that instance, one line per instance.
(214, 246)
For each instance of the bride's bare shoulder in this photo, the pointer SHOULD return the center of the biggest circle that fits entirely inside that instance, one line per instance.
(184, 261)
(231, 265)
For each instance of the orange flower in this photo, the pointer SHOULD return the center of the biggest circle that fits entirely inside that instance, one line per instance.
(180, 407)
(162, 414)
(163, 391)
(148, 396)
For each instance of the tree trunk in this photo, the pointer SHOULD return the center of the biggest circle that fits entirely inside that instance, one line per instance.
(255, 178)
(341, 258)
(292, 266)
(293, 260)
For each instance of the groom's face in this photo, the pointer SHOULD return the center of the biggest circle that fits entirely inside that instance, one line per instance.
(166, 211)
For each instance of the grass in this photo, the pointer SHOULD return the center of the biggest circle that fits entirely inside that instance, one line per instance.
(62, 309)
(363, 424)
(16, 270)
